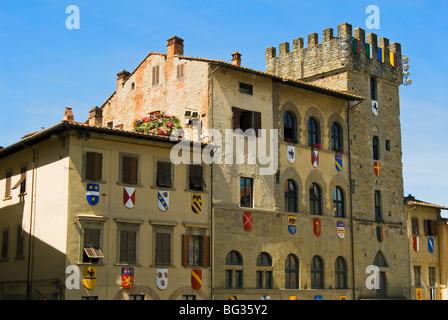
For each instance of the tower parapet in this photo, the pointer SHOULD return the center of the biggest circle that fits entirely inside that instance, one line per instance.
(364, 53)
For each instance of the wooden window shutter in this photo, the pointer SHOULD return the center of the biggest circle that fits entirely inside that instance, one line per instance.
(206, 253)
(236, 118)
(257, 123)
(434, 227)
(414, 223)
(8, 184)
(185, 250)
(94, 163)
(425, 224)
(129, 170)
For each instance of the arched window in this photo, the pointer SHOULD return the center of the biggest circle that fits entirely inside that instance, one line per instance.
(336, 137)
(338, 202)
(317, 273)
(379, 260)
(264, 271)
(289, 126)
(315, 199)
(291, 272)
(234, 270)
(290, 196)
(341, 273)
(313, 132)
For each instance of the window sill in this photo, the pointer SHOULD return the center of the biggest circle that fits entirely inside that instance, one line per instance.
(196, 191)
(94, 181)
(88, 264)
(122, 264)
(163, 188)
(130, 185)
(7, 198)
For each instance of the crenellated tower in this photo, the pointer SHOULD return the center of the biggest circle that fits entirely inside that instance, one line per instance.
(364, 65)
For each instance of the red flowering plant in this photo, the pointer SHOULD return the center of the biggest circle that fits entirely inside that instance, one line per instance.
(158, 123)
(317, 146)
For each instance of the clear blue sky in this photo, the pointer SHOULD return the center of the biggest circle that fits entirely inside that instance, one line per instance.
(45, 67)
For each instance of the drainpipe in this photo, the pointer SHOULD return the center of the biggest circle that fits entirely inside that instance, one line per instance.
(212, 233)
(29, 275)
(351, 200)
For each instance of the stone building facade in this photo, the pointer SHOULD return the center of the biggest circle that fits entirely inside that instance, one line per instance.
(372, 69)
(319, 199)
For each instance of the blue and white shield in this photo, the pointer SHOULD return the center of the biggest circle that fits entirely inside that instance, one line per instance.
(431, 245)
(163, 200)
(93, 193)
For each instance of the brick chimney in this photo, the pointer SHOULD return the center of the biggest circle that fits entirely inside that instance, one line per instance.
(121, 77)
(175, 47)
(96, 117)
(68, 115)
(236, 59)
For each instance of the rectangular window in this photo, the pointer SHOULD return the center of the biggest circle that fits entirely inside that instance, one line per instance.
(246, 88)
(196, 180)
(180, 70)
(376, 148)
(163, 249)
(92, 248)
(164, 174)
(417, 276)
(373, 93)
(94, 166)
(430, 227)
(129, 169)
(22, 181)
(414, 225)
(387, 145)
(431, 276)
(378, 213)
(244, 120)
(19, 244)
(128, 246)
(155, 75)
(5, 244)
(188, 297)
(136, 296)
(8, 176)
(246, 192)
(195, 250)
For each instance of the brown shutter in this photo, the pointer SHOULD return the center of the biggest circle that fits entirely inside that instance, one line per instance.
(133, 170)
(98, 166)
(257, 123)
(185, 250)
(425, 224)
(236, 118)
(206, 253)
(434, 227)
(8, 184)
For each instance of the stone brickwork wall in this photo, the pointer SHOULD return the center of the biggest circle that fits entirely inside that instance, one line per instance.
(321, 63)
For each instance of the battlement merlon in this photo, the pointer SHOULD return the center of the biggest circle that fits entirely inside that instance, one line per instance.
(329, 52)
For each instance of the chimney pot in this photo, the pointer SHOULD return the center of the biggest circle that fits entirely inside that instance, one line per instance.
(236, 59)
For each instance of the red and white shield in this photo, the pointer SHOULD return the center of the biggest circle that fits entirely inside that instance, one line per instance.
(415, 244)
(315, 158)
(128, 197)
(247, 220)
